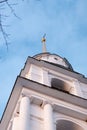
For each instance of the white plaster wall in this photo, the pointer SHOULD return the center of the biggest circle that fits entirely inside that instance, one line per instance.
(36, 118)
(54, 59)
(45, 58)
(84, 89)
(36, 125)
(35, 73)
(45, 77)
(36, 112)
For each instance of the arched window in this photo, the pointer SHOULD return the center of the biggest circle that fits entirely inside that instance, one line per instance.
(67, 125)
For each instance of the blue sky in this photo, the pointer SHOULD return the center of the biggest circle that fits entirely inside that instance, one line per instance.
(65, 25)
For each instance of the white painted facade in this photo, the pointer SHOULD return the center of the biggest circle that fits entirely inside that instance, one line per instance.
(44, 75)
(38, 105)
(43, 112)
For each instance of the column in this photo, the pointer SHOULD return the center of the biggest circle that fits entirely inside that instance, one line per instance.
(77, 89)
(15, 124)
(24, 114)
(45, 79)
(48, 117)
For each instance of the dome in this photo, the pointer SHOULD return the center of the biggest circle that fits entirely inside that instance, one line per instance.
(54, 59)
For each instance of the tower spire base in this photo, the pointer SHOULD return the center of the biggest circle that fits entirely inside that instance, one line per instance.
(44, 50)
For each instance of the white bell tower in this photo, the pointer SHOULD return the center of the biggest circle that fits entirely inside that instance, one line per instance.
(47, 95)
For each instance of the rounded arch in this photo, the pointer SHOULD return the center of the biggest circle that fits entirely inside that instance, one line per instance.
(67, 125)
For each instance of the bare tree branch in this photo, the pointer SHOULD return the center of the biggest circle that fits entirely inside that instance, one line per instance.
(12, 10)
(3, 1)
(3, 5)
(5, 35)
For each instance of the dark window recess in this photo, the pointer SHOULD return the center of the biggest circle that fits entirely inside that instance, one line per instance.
(60, 85)
(67, 125)
(55, 58)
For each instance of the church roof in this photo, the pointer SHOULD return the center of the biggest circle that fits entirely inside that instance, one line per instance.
(54, 59)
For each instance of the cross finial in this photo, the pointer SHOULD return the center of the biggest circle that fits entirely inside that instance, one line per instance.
(44, 43)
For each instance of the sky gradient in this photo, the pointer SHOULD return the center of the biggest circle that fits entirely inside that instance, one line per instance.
(65, 25)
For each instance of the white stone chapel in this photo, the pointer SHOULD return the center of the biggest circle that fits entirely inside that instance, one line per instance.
(47, 95)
